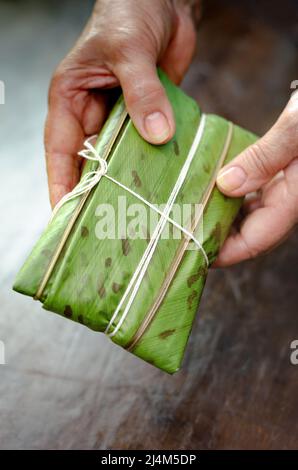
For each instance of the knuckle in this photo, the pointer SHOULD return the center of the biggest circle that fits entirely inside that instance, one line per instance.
(144, 96)
(257, 159)
(129, 47)
(53, 89)
(124, 45)
(57, 84)
(251, 251)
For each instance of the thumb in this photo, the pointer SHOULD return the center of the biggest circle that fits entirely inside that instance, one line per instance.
(146, 100)
(256, 165)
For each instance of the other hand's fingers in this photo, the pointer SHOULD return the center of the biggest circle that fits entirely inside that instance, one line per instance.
(262, 160)
(260, 232)
(266, 226)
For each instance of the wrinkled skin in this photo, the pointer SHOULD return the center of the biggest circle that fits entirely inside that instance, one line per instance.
(270, 169)
(121, 45)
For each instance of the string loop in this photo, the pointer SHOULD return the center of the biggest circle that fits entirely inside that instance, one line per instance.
(90, 179)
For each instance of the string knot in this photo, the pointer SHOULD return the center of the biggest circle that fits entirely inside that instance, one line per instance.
(90, 179)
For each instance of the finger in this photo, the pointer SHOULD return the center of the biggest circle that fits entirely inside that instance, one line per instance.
(63, 137)
(95, 112)
(261, 231)
(146, 100)
(177, 58)
(262, 160)
(68, 123)
(251, 202)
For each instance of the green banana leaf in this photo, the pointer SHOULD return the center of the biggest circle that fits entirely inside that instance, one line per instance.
(84, 277)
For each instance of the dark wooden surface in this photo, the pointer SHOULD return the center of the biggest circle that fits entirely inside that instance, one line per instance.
(66, 387)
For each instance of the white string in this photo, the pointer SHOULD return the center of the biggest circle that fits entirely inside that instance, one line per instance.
(90, 179)
(162, 214)
(147, 256)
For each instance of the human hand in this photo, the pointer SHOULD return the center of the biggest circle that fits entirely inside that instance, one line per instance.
(270, 167)
(121, 45)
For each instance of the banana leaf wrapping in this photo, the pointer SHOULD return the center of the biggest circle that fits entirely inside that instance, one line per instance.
(81, 276)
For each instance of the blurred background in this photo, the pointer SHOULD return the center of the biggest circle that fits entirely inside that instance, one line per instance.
(65, 387)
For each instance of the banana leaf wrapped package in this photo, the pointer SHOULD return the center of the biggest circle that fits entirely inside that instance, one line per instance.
(139, 283)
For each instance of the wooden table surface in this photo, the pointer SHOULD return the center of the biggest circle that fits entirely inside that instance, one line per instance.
(65, 387)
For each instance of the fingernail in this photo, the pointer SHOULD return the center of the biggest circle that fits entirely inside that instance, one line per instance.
(231, 179)
(157, 127)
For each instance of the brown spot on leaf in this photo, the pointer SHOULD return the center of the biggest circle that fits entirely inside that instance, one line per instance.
(116, 287)
(81, 319)
(136, 179)
(125, 275)
(84, 232)
(101, 290)
(47, 253)
(108, 262)
(194, 278)
(176, 147)
(125, 246)
(193, 296)
(216, 232)
(166, 333)
(206, 167)
(68, 311)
